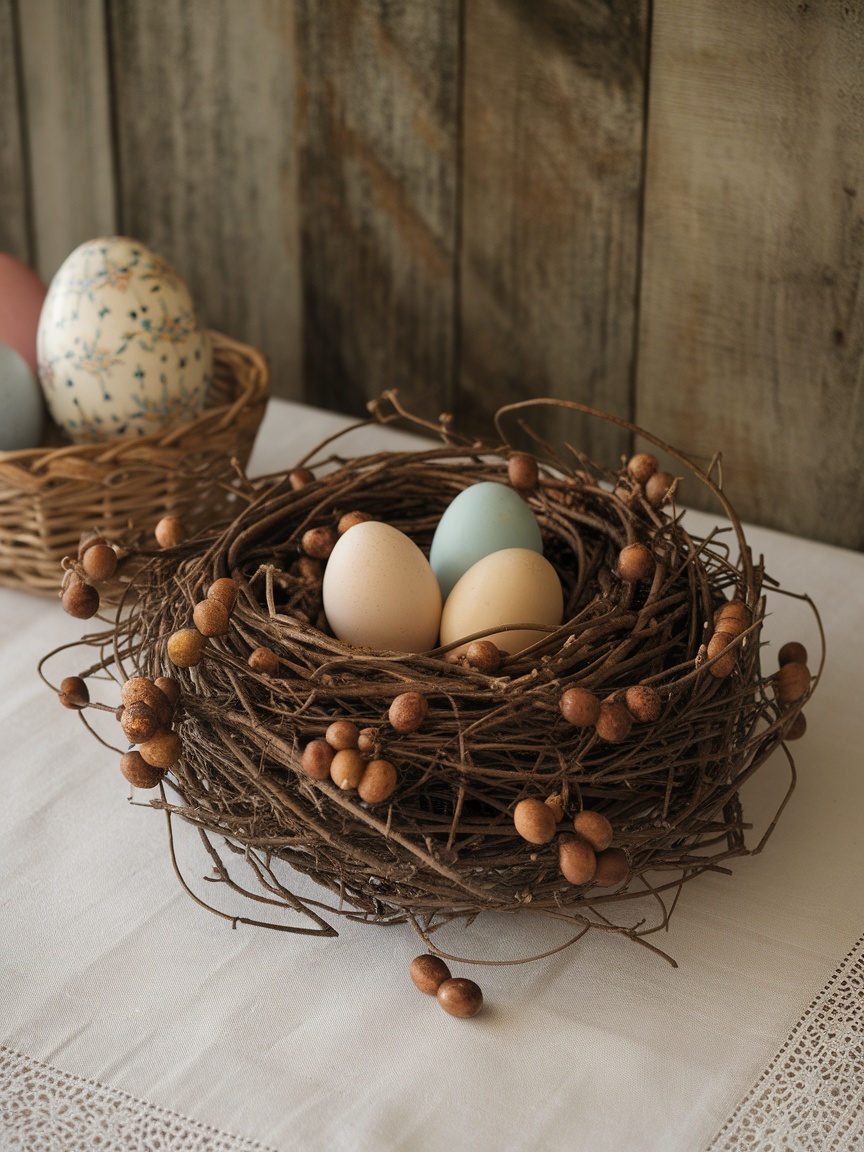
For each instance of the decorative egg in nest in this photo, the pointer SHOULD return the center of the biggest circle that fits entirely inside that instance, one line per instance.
(121, 351)
(597, 765)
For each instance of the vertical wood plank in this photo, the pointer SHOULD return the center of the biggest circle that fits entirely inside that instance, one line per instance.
(205, 99)
(552, 151)
(752, 336)
(65, 75)
(14, 230)
(379, 199)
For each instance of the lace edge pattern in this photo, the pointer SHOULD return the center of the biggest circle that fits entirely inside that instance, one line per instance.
(810, 1097)
(43, 1109)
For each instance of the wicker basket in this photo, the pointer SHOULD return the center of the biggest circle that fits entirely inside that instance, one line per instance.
(49, 495)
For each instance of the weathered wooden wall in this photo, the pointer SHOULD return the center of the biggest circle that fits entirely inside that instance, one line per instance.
(651, 206)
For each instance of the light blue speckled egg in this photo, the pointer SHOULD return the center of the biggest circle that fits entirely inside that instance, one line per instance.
(21, 406)
(485, 518)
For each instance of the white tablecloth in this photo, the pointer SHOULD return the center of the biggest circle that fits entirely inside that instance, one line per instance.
(121, 997)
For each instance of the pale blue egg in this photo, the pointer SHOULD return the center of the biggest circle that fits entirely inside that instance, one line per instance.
(21, 406)
(484, 518)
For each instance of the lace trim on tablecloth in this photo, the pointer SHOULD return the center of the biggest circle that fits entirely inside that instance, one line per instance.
(810, 1098)
(45, 1110)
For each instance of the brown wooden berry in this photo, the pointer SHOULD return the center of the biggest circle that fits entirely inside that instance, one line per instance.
(797, 728)
(299, 477)
(378, 782)
(169, 532)
(595, 828)
(614, 722)
(347, 768)
(792, 653)
(658, 487)
(522, 471)
(139, 688)
(612, 868)
(428, 973)
(318, 542)
(643, 703)
(99, 562)
(351, 520)
(576, 859)
(792, 681)
(210, 617)
(408, 711)
(80, 600)
(163, 750)
(186, 647)
(317, 758)
(308, 569)
(460, 997)
(556, 804)
(73, 693)
(342, 734)
(733, 618)
(642, 466)
(139, 722)
(138, 772)
(484, 656)
(635, 563)
(225, 590)
(534, 821)
(579, 707)
(263, 660)
(88, 539)
(725, 665)
(367, 739)
(170, 688)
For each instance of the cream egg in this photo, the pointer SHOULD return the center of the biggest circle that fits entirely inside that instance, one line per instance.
(512, 586)
(380, 592)
(120, 348)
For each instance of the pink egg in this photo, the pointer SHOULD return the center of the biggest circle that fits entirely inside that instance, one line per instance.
(22, 295)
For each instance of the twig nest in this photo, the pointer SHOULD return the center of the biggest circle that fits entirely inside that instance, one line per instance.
(74, 693)
(99, 562)
(428, 973)
(635, 563)
(460, 997)
(408, 711)
(342, 734)
(484, 656)
(210, 617)
(162, 750)
(643, 703)
(169, 532)
(263, 660)
(186, 647)
(595, 828)
(347, 768)
(658, 488)
(317, 758)
(793, 681)
(79, 599)
(642, 467)
(611, 869)
(614, 721)
(138, 772)
(534, 821)
(579, 707)
(792, 653)
(378, 782)
(522, 471)
(576, 859)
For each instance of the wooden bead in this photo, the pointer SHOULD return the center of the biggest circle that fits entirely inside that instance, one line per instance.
(797, 728)
(88, 539)
(316, 759)
(576, 859)
(186, 647)
(792, 653)
(351, 520)
(299, 477)
(792, 681)
(614, 722)
(556, 805)
(73, 693)
(460, 997)
(347, 768)
(579, 707)
(635, 563)
(484, 656)
(342, 734)
(170, 688)
(612, 868)
(225, 590)
(263, 660)
(138, 772)
(210, 617)
(522, 471)
(534, 821)
(318, 542)
(378, 782)
(643, 703)
(642, 467)
(308, 569)
(139, 722)
(139, 688)
(367, 739)
(595, 828)
(428, 973)
(658, 487)
(99, 562)
(733, 618)
(163, 750)
(408, 711)
(169, 532)
(718, 644)
(80, 600)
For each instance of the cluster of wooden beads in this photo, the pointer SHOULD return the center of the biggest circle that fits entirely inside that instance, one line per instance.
(456, 995)
(644, 472)
(147, 719)
(210, 617)
(585, 855)
(730, 620)
(791, 683)
(614, 717)
(96, 562)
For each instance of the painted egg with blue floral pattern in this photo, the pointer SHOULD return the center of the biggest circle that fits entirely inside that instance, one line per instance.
(120, 349)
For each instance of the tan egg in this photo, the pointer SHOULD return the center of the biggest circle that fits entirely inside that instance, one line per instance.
(408, 711)
(378, 782)
(347, 768)
(792, 681)
(460, 997)
(612, 868)
(534, 821)
(342, 734)
(210, 617)
(316, 759)
(614, 722)
(428, 973)
(576, 859)
(595, 828)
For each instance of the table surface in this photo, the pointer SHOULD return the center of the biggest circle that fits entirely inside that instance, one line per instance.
(124, 1003)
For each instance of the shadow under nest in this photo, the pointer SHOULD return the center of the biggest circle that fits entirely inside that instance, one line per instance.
(443, 846)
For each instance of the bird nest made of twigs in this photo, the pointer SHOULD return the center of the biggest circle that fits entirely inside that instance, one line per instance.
(599, 765)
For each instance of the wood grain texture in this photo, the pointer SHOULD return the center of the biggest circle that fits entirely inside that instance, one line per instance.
(65, 76)
(552, 181)
(752, 334)
(378, 138)
(205, 98)
(14, 222)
